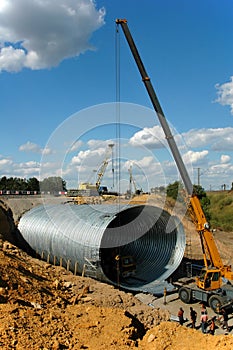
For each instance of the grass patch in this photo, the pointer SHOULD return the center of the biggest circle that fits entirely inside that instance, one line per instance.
(221, 210)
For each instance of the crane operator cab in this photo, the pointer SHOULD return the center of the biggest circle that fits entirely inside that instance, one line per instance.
(209, 279)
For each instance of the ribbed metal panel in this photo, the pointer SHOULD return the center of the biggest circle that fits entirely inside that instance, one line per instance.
(93, 235)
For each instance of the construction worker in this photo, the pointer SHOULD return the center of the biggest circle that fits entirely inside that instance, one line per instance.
(204, 321)
(193, 316)
(165, 296)
(225, 320)
(181, 316)
(212, 326)
(203, 309)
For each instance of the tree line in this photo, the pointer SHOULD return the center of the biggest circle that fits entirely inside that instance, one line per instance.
(51, 184)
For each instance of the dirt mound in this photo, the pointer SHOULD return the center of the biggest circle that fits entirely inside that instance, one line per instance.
(172, 336)
(46, 307)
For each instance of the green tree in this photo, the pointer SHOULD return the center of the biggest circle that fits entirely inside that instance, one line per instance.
(15, 184)
(3, 183)
(204, 200)
(33, 184)
(19, 184)
(23, 185)
(53, 184)
(173, 190)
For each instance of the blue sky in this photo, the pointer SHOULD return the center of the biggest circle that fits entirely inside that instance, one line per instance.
(58, 89)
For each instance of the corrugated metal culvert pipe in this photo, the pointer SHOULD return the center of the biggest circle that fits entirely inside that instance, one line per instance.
(99, 236)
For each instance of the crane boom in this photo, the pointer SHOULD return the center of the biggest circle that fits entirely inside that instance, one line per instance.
(102, 170)
(155, 102)
(210, 250)
(131, 180)
(101, 173)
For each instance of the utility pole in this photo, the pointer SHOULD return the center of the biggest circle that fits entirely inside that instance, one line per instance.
(198, 176)
(111, 145)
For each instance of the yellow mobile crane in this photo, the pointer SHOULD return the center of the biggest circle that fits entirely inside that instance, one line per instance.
(209, 287)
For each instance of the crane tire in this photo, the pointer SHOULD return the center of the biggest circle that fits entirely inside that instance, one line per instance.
(215, 303)
(185, 295)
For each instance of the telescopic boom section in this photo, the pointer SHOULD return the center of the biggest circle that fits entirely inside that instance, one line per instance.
(209, 247)
(173, 147)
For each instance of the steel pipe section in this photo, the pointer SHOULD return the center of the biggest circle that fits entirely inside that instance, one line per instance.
(96, 237)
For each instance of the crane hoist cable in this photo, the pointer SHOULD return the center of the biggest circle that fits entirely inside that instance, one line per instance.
(118, 110)
(118, 120)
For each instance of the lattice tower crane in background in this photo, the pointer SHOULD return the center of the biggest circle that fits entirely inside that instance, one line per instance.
(102, 169)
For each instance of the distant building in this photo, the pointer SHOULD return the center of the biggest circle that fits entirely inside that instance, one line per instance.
(86, 186)
(85, 189)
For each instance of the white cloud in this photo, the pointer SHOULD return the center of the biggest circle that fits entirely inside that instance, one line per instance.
(225, 94)
(223, 170)
(225, 159)
(46, 151)
(89, 157)
(33, 147)
(11, 59)
(5, 162)
(149, 137)
(27, 169)
(97, 152)
(30, 147)
(10, 168)
(145, 162)
(224, 144)
(141, 166)
(192, 157)
(218, 139)
(75, 146)
(39, 34)
(93, 144)
(3, 4)
(215, 139)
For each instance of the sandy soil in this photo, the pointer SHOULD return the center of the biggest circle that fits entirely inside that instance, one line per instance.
(46, 307)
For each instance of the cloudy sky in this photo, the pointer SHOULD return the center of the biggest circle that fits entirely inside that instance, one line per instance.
(64, 65)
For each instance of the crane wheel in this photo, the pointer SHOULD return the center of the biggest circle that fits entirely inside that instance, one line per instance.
(185, 295)
(215, 302)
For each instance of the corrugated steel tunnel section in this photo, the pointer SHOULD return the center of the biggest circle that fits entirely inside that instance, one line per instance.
(94, 235)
